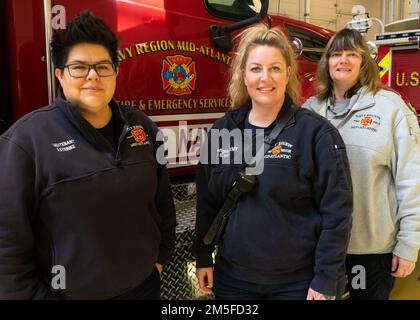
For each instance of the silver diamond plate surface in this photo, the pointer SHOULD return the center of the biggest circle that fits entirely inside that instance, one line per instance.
(178, 281)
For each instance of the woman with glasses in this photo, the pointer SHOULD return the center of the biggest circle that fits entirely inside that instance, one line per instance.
(88, 212)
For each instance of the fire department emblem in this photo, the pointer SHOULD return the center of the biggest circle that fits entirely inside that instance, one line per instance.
(366, 121)
(276, 149)
(178, 75)
(139, 135)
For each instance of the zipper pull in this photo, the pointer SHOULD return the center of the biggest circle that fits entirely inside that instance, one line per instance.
(117, 162)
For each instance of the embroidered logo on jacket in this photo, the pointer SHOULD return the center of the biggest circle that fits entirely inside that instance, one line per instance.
(64, 146)
(366, 121)
(282, 150)
(139, 135)
(369, 122)
(276, 150)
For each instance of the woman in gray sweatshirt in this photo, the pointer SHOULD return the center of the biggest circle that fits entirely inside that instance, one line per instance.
(382, 139)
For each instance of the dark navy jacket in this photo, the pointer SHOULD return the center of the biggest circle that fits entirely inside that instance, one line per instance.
(68, 198)
(295, 224)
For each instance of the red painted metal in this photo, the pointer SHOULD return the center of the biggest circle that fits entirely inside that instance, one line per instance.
(405, 77)
(168, 65)
(25, 54)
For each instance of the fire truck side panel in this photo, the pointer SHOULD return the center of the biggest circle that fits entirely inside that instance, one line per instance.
(4, 75)
(25, 54)
(168, 68)
(399, 64)
(167, 63)
(405, 73)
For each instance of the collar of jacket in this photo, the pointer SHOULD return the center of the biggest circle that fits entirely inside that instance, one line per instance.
(237, 116)
(363, 99)
(71, 111)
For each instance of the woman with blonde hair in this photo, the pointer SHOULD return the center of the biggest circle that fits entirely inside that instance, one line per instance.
(382, 138)
(286, 238)
(253, 37)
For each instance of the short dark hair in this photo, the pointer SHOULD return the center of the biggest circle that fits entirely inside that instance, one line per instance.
(85, 28)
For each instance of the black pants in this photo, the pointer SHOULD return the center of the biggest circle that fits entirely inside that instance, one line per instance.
(149, 289)
(378, 281)
(228, 288)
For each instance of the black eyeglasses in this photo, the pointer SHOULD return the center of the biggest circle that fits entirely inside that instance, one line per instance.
(81, 70)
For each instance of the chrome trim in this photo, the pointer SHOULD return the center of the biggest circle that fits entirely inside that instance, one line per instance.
(297, 46)
(321, 50)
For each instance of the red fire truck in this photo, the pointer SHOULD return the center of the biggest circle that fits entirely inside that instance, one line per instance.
(174, 54)
(399, 61)
(174, 61)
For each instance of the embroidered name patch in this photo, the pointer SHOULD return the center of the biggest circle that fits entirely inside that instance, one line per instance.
(367, 121)
(281, 150)
(64, 146)
(225, 153)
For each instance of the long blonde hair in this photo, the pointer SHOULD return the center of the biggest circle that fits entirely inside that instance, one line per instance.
(259, 35)
(347, 39)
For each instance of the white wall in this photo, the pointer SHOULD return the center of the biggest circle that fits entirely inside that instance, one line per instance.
(413, 8)
(331, 14)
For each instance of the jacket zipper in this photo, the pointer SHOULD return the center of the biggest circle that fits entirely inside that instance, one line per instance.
(117, 159)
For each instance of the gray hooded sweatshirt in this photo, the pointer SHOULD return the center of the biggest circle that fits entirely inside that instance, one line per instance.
(382, 138)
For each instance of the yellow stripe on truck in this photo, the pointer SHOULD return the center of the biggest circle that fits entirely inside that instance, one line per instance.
(384, 64)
